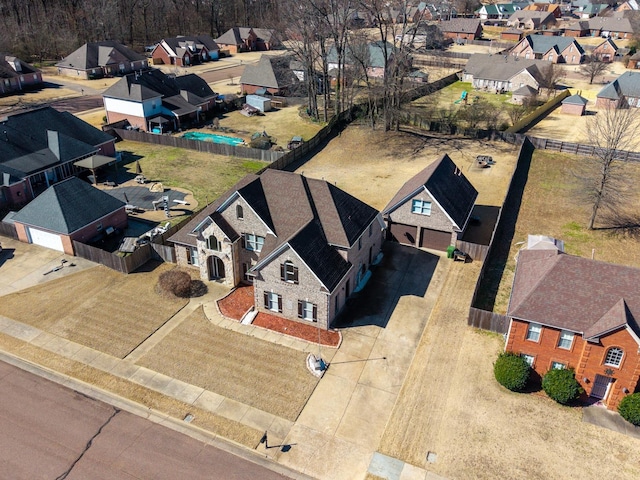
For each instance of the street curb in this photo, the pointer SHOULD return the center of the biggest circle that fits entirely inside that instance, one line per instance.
(154, 416)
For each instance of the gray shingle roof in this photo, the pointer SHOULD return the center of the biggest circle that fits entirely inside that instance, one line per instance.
(610, 24)
(271, 72)
(68, 206)
(575, 100)
(99, 54)
(626, 85)
(543, 43)
(234, 36)
(500, 67)
(460, 25)
(574, 293)
(25, 144)
(7, 69)
(447, 185)
(194, 41)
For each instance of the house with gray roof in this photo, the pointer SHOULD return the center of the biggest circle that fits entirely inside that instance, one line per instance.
(616, 27)
(432, 209)
(531, 20)
(371, 56)
(549, 48)
(154, 101)
(567, 311)
(16, 75)
(238, 39)
(271, 75)
(502, 73)
(40, 147)
(623, 92)
(68, 211)
(304, 244)
(184, 51)
(101, 59)
(460, 29)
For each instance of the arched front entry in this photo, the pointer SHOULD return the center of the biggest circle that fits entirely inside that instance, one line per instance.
(215, 267)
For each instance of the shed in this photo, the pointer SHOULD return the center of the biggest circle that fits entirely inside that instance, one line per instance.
(574, 105)
(523, 93)
(261, 103)
(512, 34)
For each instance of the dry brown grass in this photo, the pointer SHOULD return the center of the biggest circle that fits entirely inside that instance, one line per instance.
(551, 206)
(216, 424)
(255, 372)
(98, 308)
(372, 166)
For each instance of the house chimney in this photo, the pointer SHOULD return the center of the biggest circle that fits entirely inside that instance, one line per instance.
(53, 141)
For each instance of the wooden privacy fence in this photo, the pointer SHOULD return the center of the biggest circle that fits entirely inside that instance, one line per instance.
(580, 149)
(474, 250)
(8, 230)
(121, 264)
(486, 320)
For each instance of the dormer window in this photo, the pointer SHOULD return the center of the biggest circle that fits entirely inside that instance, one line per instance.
(614, 357)
(239, 212)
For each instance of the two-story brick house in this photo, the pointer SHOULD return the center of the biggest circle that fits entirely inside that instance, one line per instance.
(572, 312)
(303, 243)
(549, 48)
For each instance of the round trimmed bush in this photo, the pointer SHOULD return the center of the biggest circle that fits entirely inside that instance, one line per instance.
(511, 371)
(561, 385)
(629, 408)
(176, 282)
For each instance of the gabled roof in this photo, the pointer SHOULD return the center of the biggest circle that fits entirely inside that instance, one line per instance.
(11, 67)
(575, 100)
(99, 54)
(448, 186)
(460, 25)
(375, 53)
(234, 36)
(271, 72)
(501, 67)
(610, 24)
(34, 140)
(500, 9)
(67, 207)
(574, 293)
(610, 41)
(525, 90)
(265, 34)
(541, 44)
(194, 43)
(537, 17)
(626, 85)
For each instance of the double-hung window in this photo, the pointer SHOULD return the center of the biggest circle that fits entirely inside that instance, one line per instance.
(558, 366)
(533, 332)
(288, 272)
(566, 340)
(307, 311)
(273, 302)
(421, 207)
(192, 256)
(253, 243)
(528, 358)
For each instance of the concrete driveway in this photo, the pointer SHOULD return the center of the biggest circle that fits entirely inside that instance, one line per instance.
(337, 433)
(23, 265)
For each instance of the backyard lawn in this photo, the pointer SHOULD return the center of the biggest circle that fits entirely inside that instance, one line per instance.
(99, 308)
(247, 369)
(206, 175)
(553, 177)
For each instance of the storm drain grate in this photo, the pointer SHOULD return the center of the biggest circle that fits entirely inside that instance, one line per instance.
(189, 418)
(432, 457)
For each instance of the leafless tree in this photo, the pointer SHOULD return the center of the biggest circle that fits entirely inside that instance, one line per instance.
(517, 112)
(593, 67)
(551, 77)
(604, 183)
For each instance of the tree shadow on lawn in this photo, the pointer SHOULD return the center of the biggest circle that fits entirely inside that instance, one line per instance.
(623, 225)
(403, 271)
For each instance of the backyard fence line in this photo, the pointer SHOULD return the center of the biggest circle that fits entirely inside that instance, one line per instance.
(8, 230)
(486, 320)
(474, 250)
(128, 264)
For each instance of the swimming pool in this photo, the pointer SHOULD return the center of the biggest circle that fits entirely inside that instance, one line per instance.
(212, 137)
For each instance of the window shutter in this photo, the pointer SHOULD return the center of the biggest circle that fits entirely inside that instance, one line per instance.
(295, 274)
(280, 303)
(244, 243)
(315, 312)
(266, 300)
(282, 267)
(299, 308)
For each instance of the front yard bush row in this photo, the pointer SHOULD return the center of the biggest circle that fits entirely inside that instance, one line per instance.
(561, 385)
(629, 408)
(512, 371)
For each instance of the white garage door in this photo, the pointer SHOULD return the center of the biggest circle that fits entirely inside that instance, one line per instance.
(46, 239)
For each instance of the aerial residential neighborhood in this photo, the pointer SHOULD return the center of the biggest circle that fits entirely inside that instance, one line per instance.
(337, 240)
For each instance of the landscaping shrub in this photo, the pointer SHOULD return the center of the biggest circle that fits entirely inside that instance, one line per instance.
(511, 371)
(561, 385)
(629, 408)
(176, 282)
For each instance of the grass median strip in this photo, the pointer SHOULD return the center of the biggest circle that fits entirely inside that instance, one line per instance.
(206, 420)
(254, 372)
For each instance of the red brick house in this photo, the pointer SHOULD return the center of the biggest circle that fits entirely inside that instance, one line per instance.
(238, 39)
(16, 75)
(459, 29)
(623, 92)
(185, 51)
(67, 211)
(606, 51)
(572, 312)
(549, 48)
(270, 75)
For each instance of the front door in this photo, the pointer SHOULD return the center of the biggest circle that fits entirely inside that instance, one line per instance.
(601, 387)
(216, 268)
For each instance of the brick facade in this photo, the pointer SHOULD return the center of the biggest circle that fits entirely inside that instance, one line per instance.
(573, 109)
(587, 358)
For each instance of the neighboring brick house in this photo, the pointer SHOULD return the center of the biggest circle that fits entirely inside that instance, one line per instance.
(154, 101)
(572, 312)
(531, 20)
(460, 29)
(634, 61)
(511, 34)
(624, 91)
(184, 51)
(549, 48)
(67, 211)
(101, 59)
(16, 75)
(433, 208)
(601, 27)
(545, 7)
(606, 51)
(238, 39)
(375, 61)
(498, 11)
(303, 243)
(502, 72)
(271, 74)
(40, 147)
(267, 39)
(574, 105)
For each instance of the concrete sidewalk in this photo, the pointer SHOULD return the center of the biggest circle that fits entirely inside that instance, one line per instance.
(604, 418)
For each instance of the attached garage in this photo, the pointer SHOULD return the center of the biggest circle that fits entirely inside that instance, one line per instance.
(45, 239)
(434, 239)
(405, 234)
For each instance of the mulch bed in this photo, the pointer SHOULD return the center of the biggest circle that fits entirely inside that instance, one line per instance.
(296, 329)
(238, 302)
